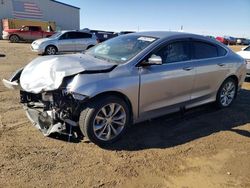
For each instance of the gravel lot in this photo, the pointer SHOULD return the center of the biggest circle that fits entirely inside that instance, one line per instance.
(204, 148)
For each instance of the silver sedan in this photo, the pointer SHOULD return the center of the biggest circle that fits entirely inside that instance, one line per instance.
(64, 41)
(126, 80)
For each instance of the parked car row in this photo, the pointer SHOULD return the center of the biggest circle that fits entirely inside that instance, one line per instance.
(109, 87)
(243, 41)
(105, 35)
(227, 40)
(51, 43)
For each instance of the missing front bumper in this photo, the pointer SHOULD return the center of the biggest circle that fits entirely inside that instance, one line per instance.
(44, 122)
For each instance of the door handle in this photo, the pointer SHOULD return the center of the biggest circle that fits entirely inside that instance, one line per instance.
(221, 64)
(188, 68)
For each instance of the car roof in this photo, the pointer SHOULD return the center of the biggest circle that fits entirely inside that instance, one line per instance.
(79, 31)
(170, 34)
(161, 34)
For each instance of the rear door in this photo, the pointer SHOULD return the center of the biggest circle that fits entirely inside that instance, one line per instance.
(82, 41)
(211, 68)
(170, 84)
(66, 42)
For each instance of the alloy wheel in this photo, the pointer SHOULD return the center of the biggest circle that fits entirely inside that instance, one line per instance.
(109, 121)
(227, 94)
(51, 50)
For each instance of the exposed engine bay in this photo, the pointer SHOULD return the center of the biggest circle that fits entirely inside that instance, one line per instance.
(52, 112)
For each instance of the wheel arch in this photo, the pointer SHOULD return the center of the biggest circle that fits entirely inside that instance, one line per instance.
(118, 94)
(235, 78)
(51, 45)
(15, 35)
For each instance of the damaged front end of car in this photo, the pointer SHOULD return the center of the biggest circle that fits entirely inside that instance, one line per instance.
(46, 91)
(53, 112)
(50, 111)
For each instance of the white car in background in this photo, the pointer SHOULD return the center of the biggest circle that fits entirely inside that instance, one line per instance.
(64, 41)
(245, 53)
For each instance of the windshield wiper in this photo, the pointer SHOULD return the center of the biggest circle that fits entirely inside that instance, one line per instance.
(105, 59)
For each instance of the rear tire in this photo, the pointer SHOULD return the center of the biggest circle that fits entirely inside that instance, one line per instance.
(50, 50)
(14, 39)
(227, 93)
(104, 120)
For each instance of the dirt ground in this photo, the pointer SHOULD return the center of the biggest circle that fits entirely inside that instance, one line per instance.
(204, 148)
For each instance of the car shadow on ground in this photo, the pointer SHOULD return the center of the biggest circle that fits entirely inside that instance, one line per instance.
(177, 129)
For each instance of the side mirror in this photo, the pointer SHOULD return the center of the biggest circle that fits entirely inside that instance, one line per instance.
(153, 60)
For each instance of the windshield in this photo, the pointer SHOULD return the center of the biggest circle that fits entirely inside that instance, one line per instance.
(55, 35)
(120, 49)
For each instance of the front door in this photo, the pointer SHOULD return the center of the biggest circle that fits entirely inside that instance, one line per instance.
(168, 85)
(25, 33)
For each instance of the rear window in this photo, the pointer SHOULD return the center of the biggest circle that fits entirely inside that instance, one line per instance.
(204, 50)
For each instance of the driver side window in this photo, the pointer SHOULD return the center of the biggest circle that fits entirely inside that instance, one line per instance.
(64, 36)
(174, 52)
(25, 29)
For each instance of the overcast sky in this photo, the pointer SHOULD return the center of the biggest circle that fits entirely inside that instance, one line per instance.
(208, 17)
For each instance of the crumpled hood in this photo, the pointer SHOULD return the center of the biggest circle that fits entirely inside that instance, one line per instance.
(47, 73)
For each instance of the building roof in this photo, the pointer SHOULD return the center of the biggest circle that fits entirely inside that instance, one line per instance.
(64, 4)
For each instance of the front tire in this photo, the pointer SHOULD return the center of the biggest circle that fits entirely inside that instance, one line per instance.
(227, 93)
(104, 120)
(50, 50)
(14, 39)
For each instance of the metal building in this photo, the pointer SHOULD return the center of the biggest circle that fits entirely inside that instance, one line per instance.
(66, 16)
